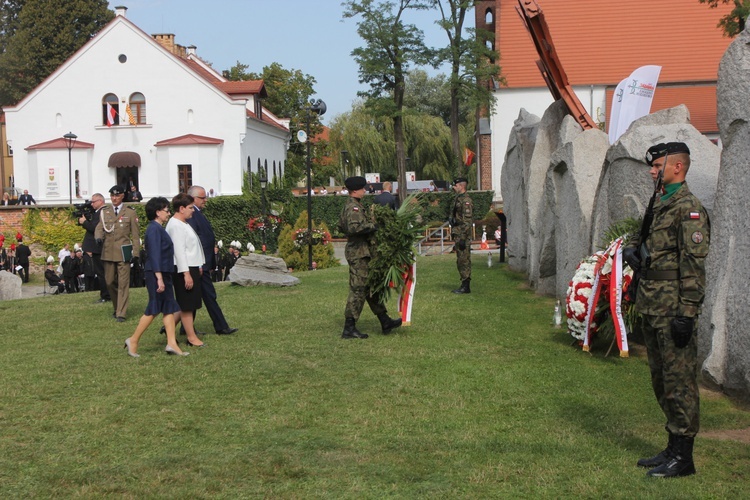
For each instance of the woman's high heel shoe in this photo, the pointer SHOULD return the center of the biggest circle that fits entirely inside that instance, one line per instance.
(195, 345)
(169, 350)
(130, 353)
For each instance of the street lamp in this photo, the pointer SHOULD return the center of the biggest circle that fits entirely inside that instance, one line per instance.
(318, 107)
(70, 142)
(263, 183)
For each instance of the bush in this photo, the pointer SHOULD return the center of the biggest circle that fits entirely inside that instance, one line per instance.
(298, 257)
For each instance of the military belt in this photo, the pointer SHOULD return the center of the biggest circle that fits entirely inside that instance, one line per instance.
(662, 275)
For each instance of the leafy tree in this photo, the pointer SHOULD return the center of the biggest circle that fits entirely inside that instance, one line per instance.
(9, 10)
(391, 47)
(43, 35)
(733, 23)
(429, 95)
(369, 141)
(237, 73)
(471, 62)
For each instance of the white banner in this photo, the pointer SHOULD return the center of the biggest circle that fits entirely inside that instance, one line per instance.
(632, 99)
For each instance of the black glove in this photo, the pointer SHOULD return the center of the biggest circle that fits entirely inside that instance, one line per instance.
(630, 255)
(452, 221)
(134, 260)
(461, 245)
(682, 330)
(99, 241)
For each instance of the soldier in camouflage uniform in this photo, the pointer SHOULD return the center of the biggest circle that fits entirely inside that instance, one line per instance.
(360, 230)
(461, 221)
(669, 297)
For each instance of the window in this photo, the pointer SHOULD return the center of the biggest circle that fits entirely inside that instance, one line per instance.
(137, 109)
(184, 177)
(110, 110)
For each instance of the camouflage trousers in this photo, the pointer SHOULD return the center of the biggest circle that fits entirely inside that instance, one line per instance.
(359, 291)
(673, 375)
(463, 261)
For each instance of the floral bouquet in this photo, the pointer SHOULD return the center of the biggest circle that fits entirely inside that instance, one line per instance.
(594, 300)
(268, 223)
(318, 237)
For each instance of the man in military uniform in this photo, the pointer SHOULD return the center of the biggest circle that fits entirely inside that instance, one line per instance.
(461, 221)
(360, 230)
(670, 262)
(118, 227)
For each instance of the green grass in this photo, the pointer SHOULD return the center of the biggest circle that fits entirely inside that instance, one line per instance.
(479, 398)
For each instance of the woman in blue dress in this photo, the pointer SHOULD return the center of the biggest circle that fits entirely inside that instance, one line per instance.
(159, 267)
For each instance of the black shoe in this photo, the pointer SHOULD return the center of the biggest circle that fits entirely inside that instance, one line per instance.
(194, 345)
(225, 331)
(163, 330)
(680, 464)
(660, 458)
(120, 319)
(350, 330)
(388, 324)
(464, 288)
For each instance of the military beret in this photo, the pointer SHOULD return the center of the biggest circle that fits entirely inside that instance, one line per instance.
(662, 150)
(117, 189)
(355, 183)
(460, 179)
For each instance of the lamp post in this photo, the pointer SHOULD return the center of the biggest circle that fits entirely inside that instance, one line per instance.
(263, 182)
(345, 163)
(318, 107)
(70, 142)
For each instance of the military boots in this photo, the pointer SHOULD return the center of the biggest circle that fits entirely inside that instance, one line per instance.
(660, 458)
(388, 324)
(464, 288)
(350, 330)
(680, 463)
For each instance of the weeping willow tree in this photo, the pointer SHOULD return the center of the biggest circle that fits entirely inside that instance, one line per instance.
(368, 141)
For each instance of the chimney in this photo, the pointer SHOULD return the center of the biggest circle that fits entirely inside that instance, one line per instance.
(121, 10)
(166, 40)
(191, 50)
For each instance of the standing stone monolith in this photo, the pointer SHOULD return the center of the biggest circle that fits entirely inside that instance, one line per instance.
(723, 338)
(513, 187)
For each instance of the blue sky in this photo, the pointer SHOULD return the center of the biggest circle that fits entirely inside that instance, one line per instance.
(308, 35)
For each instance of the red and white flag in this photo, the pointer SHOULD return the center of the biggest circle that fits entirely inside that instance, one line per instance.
(111, 115)
(468, 157)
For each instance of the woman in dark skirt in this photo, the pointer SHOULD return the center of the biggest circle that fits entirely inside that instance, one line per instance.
(158, 273)
(189, 260)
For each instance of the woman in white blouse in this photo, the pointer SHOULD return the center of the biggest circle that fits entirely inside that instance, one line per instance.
(188, 259)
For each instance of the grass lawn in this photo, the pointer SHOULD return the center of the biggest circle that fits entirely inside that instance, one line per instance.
(480, 398)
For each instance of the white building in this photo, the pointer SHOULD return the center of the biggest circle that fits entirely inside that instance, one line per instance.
(146, 112)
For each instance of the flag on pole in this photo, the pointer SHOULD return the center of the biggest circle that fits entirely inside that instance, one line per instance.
(131, 118)
(632, 99)
(111, 115)
(468, 157)
(406, 299)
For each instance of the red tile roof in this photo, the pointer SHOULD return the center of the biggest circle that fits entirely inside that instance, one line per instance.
(59, 143)
(700, 100)
(602, 42)
(189, 140)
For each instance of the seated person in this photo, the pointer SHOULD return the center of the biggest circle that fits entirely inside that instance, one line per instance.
(54, 279)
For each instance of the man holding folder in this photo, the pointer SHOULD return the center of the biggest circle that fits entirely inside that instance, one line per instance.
(120, 238)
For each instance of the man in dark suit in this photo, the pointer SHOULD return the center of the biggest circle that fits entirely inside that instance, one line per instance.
(26, 198)
(205, 232)
(385, 198)
(91, 247)
(22, 258)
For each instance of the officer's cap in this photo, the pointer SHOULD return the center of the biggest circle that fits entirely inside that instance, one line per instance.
(664, 149)
(117, 189)
(355, 183)
(460, 179)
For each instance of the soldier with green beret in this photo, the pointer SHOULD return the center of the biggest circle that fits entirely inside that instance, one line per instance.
(462, 221)
(670, 261)
(360, 249)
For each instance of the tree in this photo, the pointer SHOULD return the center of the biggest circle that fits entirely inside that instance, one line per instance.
(392, 46)
(42, 35)
(9, 10)
(289, 93)
(369, 142)
(429, 95)
(471, 63)
(733, 23)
